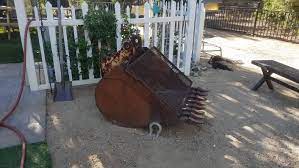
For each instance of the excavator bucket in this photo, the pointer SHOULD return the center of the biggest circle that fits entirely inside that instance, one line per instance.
(146, 89)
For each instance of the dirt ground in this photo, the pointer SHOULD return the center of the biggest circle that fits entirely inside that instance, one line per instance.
(243, 129)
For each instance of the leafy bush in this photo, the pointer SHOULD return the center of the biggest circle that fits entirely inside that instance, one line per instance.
(101, 26)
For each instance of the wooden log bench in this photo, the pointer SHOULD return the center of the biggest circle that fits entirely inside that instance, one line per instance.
(270, 67)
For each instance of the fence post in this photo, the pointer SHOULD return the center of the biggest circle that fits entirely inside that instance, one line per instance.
(22, 21)
(199, 29)
(190, 33)
(118, 26)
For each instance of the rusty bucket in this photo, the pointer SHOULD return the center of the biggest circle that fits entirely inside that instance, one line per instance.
(149, 90)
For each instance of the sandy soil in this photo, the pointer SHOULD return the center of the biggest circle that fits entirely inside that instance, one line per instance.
(243, 129)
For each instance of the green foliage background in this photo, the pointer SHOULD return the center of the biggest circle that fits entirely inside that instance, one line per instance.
(280, 5)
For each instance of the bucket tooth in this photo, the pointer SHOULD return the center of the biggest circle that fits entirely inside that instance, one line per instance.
(195, 105)
(185, 113)
(193, 108)
(193, 101)
(195, 121)
(199, 89)
(198, 112)
(195, 95)
(198, 115)
(203, 94)
(199, 98)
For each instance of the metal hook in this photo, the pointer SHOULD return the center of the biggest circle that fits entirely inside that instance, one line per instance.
(155, 126)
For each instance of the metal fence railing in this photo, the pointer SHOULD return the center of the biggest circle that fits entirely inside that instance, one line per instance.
(256, 22)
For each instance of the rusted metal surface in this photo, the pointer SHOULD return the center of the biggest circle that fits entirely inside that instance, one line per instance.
(148, 90)
(130, 49)
(170, 86)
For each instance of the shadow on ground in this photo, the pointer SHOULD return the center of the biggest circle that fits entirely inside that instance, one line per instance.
(210, 33)
(243, 129)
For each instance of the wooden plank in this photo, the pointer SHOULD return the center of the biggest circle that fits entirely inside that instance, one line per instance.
(30, 66)
(74, 83)
(200, 30)
(147, 8)
(89, 51)
(163, 30)
(118, 25)
(52, 23)
(137, 12)
(156, 33)
(41, 46)
(171, 32)
(128, 13)
(184, 34)
(284, 84)
(180, 34)
(190, 33)
(66, 47)
(76, 41)
(156, 20)
(53, 42)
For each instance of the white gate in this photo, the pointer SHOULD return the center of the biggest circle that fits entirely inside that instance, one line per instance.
(176, 31)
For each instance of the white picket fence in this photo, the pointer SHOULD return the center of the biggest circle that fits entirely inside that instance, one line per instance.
(176, 31)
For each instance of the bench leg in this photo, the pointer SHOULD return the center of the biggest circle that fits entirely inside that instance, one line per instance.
(266, 78)
(258, 84)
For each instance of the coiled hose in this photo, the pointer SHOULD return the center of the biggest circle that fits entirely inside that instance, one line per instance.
(17, 100)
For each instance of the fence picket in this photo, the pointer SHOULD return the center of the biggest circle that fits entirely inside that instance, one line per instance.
(171, 32)
(128, 13)
(89, 52)
(180, 34)
(156, 33)
(146, 24)
(163, 29)
(66, 46)
(53, 42)
(118, 25)
(41, 45)
(137, 12)
(189, 40)
(30, 67)
(199, 27)
(75, 30)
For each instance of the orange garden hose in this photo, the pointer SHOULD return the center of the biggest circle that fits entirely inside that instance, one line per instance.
(17, 100)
